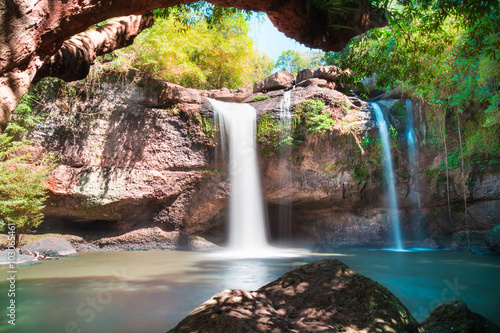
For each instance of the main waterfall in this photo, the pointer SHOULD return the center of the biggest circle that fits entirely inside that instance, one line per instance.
(247, 223)
(389, 174)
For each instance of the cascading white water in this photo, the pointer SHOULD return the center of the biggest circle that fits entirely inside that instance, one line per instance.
(389, 174)
(411, 139)
(413, 168)
(247, 224)
(285, 211)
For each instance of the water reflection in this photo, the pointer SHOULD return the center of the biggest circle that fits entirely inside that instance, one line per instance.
(152, 291)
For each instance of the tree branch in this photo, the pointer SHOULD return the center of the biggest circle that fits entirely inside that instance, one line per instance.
(73, 60)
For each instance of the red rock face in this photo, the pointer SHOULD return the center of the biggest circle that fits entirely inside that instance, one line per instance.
(137, 155)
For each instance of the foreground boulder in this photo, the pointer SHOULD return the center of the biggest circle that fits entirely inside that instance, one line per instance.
(455, 316)
(492, 238)
(324, 296)
(50, 247)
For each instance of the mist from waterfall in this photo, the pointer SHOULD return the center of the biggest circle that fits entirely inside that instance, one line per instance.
(285, 208)
(389, 175)
(247, 223)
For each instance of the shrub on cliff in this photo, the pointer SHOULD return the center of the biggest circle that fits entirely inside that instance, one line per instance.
(22, 187)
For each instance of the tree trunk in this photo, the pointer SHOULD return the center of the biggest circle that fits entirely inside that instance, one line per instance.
(16, 238)
(73, 60)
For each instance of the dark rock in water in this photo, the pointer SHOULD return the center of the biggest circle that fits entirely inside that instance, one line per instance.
(324, 296)
(278, 80)
(19, 260)
(147, 239)
(51, 246)
(431, 243)
(455, 316)
(492, 238)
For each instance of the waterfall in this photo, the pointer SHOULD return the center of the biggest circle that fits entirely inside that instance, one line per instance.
(413, 167)
(389, 174)
(285, 209)
(247, 224)
(412, 140)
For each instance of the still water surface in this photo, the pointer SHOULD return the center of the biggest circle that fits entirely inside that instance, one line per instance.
(152, 291)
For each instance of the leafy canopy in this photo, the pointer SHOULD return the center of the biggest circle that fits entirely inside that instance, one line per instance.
(291, 61)
(199, 46)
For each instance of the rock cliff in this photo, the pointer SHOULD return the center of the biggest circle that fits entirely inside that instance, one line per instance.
(137, 152)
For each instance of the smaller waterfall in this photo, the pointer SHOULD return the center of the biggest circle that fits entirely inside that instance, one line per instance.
(389, 174)
(413, 169)
(247, 224)
(412, 140)
(285, 209)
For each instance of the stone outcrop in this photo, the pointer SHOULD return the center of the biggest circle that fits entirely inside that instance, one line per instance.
(142, 239)
(140, 153)
(134, 154)
(276, 81)
(455, 316)
(227, 95)
(51, 247)
(328, 73)
(324, 296)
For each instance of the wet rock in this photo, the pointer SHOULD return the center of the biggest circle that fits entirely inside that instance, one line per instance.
(455, 316)
(51, 246)
(146, 239)
(492, 238)
(276, 81)
(19, 259)
(324, 296)
(431, 243)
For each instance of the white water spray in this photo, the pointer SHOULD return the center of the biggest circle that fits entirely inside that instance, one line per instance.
(247, 224)
(389, 174)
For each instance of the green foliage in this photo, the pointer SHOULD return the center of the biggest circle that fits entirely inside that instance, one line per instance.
(449, 58)
(399, 110)
(207, 126)
(309, 118)
(22, 187)
(268, 131)
(199, 57)
(451, 68)
(363, 160)
(310, 115)
(259, 98)
(291, 61)
(23, 116)
(187, 16)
